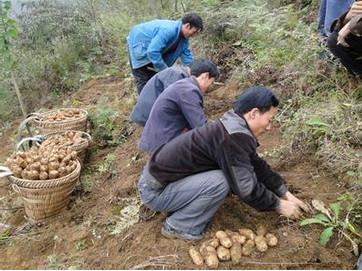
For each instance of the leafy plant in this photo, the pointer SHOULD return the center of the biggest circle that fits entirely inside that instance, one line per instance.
(332, 221)
(108, 165)
(103, 120)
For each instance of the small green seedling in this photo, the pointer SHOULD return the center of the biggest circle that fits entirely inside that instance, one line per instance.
(332, 221)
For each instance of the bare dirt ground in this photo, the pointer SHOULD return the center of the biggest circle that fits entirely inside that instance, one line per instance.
(81, 236)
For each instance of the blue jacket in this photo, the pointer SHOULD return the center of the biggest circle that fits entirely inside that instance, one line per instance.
(148, 42)
(154, 87)
(179, 107)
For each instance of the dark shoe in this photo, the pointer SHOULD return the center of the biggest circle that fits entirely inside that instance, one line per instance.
(169, 232)
(146, 213)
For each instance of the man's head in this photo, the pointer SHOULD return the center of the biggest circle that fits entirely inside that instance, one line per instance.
(205, 72)
(191, 25)
(258, 106)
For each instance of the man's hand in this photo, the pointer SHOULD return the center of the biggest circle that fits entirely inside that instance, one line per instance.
(289, 209)
(290, 197)
(342, 34)
(356, 9)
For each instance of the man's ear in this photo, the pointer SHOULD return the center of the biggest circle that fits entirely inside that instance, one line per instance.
(188, 26)
(253, 113)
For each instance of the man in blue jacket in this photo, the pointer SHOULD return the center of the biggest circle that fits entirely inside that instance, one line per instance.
(153, 88)
(179, 107)
(153, 46)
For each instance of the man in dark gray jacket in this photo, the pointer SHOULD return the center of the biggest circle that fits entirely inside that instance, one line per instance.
(179, 107)
(153, 88)
(190, 176)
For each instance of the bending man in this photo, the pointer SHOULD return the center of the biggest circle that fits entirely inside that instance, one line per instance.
(190, 176)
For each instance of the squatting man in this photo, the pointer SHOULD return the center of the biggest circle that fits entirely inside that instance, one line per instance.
(190, 176)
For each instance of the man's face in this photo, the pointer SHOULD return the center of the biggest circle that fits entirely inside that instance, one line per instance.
(189, 31)
(259, 122)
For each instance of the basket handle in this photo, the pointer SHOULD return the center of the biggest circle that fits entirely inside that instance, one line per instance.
(25, 124)
(37, 140)
(15, 188)
(5, 171)
(87, 136)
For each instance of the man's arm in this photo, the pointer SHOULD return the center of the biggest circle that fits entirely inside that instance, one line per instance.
(245, 183)
(186, 56)
(266, 175)
(155, 48)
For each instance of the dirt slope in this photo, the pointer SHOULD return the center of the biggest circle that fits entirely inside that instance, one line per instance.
(81, 236)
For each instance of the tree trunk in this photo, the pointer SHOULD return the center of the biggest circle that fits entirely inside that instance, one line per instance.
(18, 94)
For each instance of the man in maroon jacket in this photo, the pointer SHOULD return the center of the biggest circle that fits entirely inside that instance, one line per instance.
(190, 176)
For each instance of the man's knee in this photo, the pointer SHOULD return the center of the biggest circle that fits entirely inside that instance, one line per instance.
(218, 184)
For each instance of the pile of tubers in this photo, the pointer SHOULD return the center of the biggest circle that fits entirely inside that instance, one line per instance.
(68, 139)
(63, 114)
(230, 245)
(46, 162)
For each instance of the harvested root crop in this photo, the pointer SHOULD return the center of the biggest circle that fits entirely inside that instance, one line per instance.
(223, 253)
(43, 163)
(271, 239)
(248, 233)
(63, 114)
(235, 253)
(224, 239)
(196, 256)
(260, 243)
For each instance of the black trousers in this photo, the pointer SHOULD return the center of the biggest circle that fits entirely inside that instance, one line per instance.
(349, 56)
(142, 75)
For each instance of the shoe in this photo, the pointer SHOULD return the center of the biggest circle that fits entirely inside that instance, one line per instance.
(146, 213)
(169, 232)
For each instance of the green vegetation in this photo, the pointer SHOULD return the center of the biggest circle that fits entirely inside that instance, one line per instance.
(333, 221)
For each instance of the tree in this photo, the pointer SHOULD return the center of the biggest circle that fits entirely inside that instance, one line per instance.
(8, 32)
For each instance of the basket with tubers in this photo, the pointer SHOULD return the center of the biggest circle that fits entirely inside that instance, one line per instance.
(57, 120)
(76, 140)
(232, 246)
(44, 177)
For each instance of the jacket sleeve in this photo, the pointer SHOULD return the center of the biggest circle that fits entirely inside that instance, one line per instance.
(186, 56)
(191, 106)
(155, 48)
(243, 177)
(272, 180)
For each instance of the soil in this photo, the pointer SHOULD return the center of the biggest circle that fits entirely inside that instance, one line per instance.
(80, 237)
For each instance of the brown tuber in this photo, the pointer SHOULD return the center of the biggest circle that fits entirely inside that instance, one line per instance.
(248, 248)
(235, 253)
(223, 253)
(196, 256)
(212, 261)
(260, 243)
(224, 239)
(271, 240)
(248, 233)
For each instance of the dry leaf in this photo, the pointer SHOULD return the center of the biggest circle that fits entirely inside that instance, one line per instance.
(319, 205)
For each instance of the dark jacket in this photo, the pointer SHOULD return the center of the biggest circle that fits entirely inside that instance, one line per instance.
(354, 39)
(179, 107)
(153, 88)
(226, 144)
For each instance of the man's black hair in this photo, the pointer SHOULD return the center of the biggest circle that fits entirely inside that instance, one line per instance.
(255, 97)
(194, 20)
(203, 65)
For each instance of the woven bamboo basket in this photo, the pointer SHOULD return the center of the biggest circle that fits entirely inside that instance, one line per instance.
(48, 127)
(44, 198)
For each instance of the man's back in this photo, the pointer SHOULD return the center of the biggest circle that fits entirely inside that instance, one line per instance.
(153, 88)
(179, 107)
